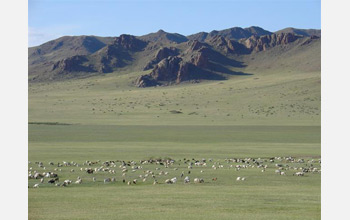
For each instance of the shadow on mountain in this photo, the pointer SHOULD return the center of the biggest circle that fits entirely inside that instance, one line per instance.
(220, 58)
(222, 69)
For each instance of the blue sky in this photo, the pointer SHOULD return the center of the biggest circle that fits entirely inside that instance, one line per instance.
(50, 19)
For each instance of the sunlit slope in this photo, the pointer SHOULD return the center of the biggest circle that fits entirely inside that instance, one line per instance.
(279, 98)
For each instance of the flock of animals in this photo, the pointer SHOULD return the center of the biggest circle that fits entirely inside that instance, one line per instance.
(53, 173)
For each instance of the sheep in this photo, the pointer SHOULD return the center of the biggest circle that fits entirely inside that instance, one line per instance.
(90, 171)
(42, 180)
(155, 182)
(187, 179)
(129, 182)
(36, 185)
(51, 181)
(168, 181)
(94, 179)
(67, 182)
(298, 174)
(134, 181)
(174, 180)
(107, 180)
(238, 178)
(38, 175)
(79, 181)
(198, 180)
(113, 179)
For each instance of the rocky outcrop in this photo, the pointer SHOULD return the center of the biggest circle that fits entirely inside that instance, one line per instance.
(167, 69)
(145, 81)
(171, 69)
(129, 42)
(200, 59)
(71, 64)
(117, 54)
(227, 46)
(162, 53)
(262, 43)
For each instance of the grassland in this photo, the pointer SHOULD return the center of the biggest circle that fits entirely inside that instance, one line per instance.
(266, 114)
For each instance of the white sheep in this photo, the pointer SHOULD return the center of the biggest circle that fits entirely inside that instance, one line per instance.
(174, 180)
(198, 180)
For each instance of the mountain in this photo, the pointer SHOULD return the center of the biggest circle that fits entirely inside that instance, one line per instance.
(168, 58)
(41, 58)
(235, 33)
(164, 37)
(303, 32)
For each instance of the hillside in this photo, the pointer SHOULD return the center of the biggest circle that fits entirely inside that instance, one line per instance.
(303, 32)
(169, 58)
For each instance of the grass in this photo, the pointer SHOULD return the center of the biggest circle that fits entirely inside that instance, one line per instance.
(261, 196)
(264, 115)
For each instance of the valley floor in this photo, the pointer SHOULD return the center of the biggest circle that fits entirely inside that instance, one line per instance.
(105, 118)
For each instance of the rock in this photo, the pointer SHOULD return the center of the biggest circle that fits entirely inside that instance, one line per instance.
(162, 53)
(71, 64)
(167, 69)
(145, 81)
(262, 43)
(129, 42)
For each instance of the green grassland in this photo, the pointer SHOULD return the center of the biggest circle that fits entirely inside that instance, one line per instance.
(265, 114)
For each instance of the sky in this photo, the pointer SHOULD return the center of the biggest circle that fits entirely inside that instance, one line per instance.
(50, 19)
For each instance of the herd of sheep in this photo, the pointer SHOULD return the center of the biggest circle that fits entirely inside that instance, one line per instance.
(52, 173)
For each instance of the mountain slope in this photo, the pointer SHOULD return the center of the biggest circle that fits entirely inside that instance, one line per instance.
(169, 58)
(235, 33)
(164, 37)
(304, 32)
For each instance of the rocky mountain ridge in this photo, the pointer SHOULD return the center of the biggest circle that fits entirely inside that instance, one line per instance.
(168, 58)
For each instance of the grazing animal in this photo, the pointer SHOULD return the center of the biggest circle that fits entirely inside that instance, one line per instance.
(36, 185)
(214, 179)
(298, 174)
(187, 179)
(174, 180)
(238, 178)
(168, 181)
(67, 182)
(94, 179)
(51, 181)
(198, 180)
(107, 180)
(90, 171)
